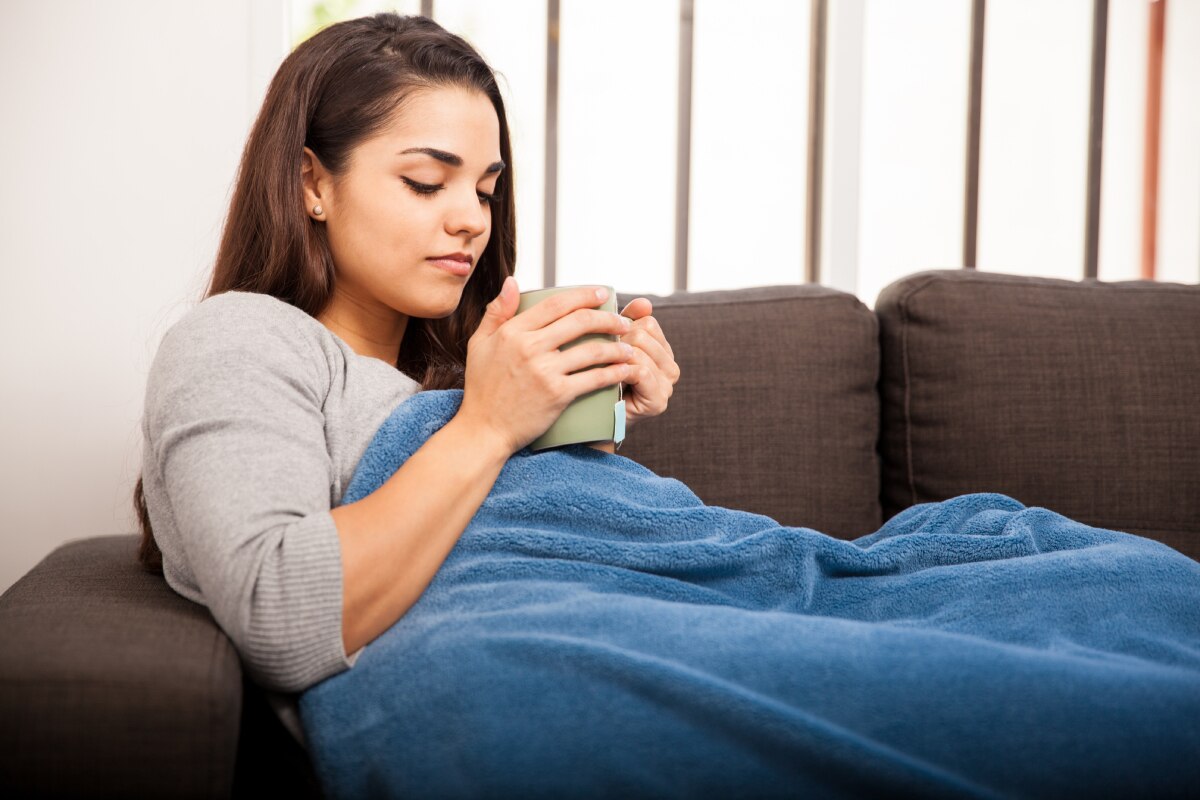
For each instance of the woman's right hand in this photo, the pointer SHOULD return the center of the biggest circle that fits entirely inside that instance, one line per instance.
(517, 381)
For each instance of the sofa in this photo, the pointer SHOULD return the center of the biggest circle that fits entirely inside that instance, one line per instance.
(798, 402)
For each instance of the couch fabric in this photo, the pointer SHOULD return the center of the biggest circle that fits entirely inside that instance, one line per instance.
(1081, 397)
(110, 679)
(776, 409)
(797, 402)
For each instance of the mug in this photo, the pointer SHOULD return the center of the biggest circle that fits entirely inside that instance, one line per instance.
(595, 416)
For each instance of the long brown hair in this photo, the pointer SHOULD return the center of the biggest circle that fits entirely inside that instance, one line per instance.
(334, 91)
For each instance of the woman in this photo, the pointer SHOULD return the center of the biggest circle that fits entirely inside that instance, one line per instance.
(356, 268)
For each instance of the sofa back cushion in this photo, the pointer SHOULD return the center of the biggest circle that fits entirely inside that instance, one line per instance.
(1080, 397)
(776, 409)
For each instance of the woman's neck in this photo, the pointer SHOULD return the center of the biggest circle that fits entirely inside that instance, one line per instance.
(371, 331)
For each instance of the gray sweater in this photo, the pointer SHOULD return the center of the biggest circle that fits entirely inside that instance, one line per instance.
(255, 417)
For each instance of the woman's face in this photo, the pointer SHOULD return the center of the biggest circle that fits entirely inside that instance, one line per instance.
(411, 193)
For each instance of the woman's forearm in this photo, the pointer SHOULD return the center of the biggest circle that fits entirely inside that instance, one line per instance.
(394, 540)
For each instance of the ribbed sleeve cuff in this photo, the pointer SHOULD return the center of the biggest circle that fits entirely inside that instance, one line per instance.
(296, 637)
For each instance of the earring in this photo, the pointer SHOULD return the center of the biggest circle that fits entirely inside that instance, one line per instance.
(318, 210)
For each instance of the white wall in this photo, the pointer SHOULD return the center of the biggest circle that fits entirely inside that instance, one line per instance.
(122, 127)
(749, 149)
(916, 65)
(618, 79)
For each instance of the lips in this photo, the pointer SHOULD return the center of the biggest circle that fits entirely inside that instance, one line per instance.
(467, 258)
(455, 263)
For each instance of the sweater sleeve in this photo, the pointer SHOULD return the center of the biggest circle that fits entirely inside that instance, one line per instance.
(234, 416)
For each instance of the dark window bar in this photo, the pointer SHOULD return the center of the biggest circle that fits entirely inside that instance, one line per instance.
(818, 30)
(974, 108)
(427, 8)
(683, 145)
(1091, 248)
(550, 209)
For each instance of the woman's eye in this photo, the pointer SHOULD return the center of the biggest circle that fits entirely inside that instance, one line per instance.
(428, 190)
(422, 188)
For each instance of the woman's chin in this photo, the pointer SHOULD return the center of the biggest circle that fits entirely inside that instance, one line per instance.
(439, 310)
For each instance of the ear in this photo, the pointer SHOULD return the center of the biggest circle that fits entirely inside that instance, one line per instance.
(316, 184)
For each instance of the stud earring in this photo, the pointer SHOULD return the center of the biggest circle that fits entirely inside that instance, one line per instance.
(318, 210)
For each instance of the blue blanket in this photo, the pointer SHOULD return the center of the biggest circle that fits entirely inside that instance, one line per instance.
(599, 631)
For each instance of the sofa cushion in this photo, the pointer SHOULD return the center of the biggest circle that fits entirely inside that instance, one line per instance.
(776, 410)
(111, 684)
(1080, 397)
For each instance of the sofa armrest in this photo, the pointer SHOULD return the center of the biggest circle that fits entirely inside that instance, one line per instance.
(112, 684)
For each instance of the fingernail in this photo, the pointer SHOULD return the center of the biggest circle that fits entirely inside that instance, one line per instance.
(627, 348)
(601, 293)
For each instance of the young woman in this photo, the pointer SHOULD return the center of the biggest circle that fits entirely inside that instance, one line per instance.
(368, 254)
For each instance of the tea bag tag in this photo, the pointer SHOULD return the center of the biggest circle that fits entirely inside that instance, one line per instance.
(619, 417)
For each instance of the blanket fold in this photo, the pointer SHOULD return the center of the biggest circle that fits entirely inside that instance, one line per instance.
(599, 631)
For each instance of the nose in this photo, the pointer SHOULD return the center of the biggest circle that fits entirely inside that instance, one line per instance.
(466, 214)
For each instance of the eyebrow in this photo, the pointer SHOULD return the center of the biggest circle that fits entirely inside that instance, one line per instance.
(449, 158)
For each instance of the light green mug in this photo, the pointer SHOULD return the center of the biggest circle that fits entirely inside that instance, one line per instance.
(596, 416)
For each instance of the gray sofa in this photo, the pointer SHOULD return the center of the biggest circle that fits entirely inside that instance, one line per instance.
(797, 402)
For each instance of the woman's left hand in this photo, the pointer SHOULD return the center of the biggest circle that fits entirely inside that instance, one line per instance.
(652, 380)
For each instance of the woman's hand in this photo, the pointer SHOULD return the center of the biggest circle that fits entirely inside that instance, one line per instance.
(517, 379)
(655, 373)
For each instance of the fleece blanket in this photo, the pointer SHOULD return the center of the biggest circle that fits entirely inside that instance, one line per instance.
(598, 631)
